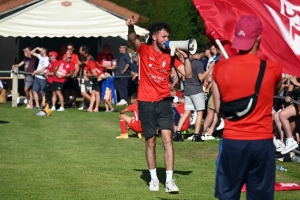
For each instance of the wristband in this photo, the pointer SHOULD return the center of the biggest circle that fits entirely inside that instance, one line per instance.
(185, 58)
(289, 93)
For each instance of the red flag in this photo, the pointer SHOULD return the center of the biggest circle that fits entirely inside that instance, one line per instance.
(281, 26)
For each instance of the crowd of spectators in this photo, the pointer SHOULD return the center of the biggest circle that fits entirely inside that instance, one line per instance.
(59, 75)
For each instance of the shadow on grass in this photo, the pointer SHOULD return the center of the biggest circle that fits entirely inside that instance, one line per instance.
(161, 174)
(4, 122)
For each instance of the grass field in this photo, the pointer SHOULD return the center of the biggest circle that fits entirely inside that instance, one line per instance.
(74, 155)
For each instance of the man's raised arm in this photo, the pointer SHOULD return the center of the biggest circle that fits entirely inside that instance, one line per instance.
(132, 35)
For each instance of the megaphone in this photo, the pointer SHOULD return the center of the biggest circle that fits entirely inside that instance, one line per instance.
(188, 45)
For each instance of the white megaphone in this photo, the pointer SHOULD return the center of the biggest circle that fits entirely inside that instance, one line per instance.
(188, 45)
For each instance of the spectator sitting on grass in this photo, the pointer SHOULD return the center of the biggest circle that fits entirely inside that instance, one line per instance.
(134, 123)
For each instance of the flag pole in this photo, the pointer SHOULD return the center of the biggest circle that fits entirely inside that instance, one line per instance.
(218, 42)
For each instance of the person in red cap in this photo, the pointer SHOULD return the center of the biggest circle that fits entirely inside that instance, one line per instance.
(246, 151)
(49, 75)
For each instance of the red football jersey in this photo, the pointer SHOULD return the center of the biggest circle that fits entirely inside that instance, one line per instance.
(134, 108)
(93, 65)
(63, 69)
(51, 67)
(154, 73)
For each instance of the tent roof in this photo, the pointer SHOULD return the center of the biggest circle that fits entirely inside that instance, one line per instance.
(60, 18)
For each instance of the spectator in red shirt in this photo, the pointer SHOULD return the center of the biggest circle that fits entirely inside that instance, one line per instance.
(65, 69)
(49, 75)
(154, 101)
(71, 82)
(105, 58)
(246, 150)
(96, 71)
(134, 122)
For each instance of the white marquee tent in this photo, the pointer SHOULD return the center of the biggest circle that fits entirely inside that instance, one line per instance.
(61, 18)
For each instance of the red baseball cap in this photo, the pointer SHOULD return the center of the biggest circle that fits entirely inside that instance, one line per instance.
(52, 53)
(247, 29)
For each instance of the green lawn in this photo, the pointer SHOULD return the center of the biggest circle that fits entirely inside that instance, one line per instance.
(74, 155)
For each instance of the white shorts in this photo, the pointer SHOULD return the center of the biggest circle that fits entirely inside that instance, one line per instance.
(194, 102)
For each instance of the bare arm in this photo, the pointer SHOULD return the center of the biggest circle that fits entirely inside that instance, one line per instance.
(34, 50)
(18, 65)
(132, 35)
(216, 95)
(76, 70)
(203, 76)
(294, 81)
(185, 69)
(39, 71)
(123, 111)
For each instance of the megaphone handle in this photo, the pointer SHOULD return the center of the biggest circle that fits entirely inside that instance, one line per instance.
(172, 51)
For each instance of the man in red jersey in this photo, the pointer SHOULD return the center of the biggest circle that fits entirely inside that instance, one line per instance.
(134, 122)
(71, 82)
(49, 75)
(93, 69)
(65, 69)
(154, 101)
(246, 150)
(105, 58)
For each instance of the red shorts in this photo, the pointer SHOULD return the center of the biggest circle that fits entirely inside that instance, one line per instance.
(135, 126)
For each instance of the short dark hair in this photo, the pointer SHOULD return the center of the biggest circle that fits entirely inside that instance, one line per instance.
(70, 44)
(85, 49)
(124, 45)
(29, 48)
(45, 48)
(134, 95)
(155, 28)
(201, 49)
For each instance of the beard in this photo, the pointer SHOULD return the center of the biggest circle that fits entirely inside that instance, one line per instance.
(161, 47)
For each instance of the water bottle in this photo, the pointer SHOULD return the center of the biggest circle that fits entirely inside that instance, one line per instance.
(281, 168)
(295, 159)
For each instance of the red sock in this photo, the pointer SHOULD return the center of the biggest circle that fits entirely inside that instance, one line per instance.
(123, 126)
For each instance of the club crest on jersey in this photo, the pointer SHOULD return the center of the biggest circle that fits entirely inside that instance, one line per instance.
(67, 66)
(151, 58)
(290, 31)
(163, 64)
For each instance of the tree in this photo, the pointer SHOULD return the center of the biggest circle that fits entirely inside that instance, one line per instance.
(179, 14)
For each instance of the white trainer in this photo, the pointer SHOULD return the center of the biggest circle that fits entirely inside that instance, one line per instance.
(81, 108)
(281, 147)
(206, 136)
(60, 109)
(53, 108)
(289, 146)
(154, 185)
(122, 103)
(171, 187)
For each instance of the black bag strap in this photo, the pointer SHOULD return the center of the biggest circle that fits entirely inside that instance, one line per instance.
(260, 77)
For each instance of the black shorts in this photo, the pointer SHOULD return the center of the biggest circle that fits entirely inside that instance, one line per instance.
(251, 162)
(57, 86)
(86, 86)
(97, 85)
(70, 83)
(47, 88)
(155, 116)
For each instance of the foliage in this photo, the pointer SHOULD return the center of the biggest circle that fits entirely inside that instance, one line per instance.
(180, 14)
